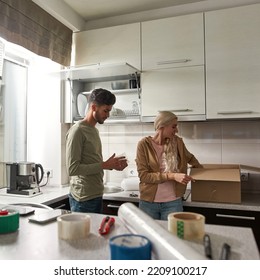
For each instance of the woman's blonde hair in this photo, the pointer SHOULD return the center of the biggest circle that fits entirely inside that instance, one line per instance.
(163, 119)
(169, 156)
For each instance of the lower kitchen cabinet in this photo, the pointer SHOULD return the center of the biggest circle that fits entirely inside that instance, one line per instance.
(239, 218)
(110, 207)
(61, 204)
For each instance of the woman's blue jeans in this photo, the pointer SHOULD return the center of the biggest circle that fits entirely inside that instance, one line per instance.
(94, 205)
(161, 210)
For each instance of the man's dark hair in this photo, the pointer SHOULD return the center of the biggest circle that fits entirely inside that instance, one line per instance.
(102, 96)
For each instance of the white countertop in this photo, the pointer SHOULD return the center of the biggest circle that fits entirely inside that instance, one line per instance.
(41, 242)
(250, 202)
(51, 194)
(24, 244)
(48, 195)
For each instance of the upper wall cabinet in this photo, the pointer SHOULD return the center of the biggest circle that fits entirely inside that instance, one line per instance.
(180, 90)
(109, 45)
(233, 62)
(173, 42)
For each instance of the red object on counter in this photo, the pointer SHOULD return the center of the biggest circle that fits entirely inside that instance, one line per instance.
(3, 212)
(106, 224)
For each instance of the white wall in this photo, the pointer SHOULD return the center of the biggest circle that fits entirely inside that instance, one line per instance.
(44, 127)
(211, 142)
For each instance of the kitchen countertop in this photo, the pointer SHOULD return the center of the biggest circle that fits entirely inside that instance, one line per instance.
(49, 194)
(250, 202)
(52, 194)
(34, 242)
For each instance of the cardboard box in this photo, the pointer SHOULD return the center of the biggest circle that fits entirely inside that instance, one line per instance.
(216, 183)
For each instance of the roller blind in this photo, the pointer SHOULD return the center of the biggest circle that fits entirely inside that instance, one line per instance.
(24, 23)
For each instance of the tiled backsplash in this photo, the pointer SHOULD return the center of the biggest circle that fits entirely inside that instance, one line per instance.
(211, 142)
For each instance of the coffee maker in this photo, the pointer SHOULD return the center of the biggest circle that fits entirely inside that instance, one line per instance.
(24, 178)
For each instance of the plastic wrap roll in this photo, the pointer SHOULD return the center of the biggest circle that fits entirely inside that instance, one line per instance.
(165, 245)
(130, 184)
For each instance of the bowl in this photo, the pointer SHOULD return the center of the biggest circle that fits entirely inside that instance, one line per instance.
(119, 85)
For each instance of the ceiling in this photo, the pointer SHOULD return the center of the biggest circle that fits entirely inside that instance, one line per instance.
(98, 9)
(81, 15)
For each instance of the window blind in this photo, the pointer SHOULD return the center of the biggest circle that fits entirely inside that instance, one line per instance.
(24, 23)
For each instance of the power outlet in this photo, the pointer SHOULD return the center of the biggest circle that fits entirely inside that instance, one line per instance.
(48, 170)
(244, 176)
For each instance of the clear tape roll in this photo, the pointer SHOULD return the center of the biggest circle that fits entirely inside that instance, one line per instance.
(187, 225)
(73, 226)
(165, 245)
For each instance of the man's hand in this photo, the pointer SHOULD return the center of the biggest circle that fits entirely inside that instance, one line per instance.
(117, 163)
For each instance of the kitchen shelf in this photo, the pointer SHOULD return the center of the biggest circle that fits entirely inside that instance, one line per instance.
(100, 72)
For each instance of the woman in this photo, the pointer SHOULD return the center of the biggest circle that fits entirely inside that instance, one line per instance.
(162, 162)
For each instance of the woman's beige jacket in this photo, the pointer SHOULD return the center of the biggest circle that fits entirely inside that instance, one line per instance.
(149, 169)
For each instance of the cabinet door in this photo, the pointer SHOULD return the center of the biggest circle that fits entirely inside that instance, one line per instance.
(109, 45)
(180, 90)
(233, 62)
(230, 217)
(173, 42)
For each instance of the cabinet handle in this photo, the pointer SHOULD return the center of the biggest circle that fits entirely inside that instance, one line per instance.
(185, 60)
(235, 217)
(179, 110)
(60, 206)
(234, 112)
(113, 206)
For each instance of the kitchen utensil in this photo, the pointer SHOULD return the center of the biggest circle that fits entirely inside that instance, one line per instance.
(207, 246)
(106, 225)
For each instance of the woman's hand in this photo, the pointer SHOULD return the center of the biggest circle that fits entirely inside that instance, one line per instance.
(180, 177)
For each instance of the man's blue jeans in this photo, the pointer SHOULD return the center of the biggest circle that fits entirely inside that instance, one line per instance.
(94, 205)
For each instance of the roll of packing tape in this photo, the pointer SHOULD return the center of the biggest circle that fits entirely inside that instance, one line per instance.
(130, 247)
(73, 226)
(187, 225)
(9, 221)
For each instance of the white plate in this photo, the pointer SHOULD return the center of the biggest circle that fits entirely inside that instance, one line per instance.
(82, 104)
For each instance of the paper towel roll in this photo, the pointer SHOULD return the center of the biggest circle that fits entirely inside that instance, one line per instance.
(165, 245)
(130, 184)
(187, 225)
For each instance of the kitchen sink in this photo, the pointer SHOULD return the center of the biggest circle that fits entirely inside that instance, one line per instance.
(112, 189)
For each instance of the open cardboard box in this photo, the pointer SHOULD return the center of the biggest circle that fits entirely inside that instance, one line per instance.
(216, 183)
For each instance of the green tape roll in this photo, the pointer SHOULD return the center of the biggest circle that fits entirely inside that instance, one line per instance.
(10, 222)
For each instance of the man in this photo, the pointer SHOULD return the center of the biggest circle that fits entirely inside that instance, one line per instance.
(84, 158)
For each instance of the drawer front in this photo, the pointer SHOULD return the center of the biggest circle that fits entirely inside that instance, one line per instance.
(110, 207)
(228, 217)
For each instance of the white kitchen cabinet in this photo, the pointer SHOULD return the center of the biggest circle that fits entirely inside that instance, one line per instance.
(173, 42)
(232, 47)
(180, 90)
(108, 45)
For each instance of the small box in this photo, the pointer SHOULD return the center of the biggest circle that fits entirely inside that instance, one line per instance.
(216, 183)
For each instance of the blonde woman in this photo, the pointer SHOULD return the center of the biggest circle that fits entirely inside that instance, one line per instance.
(162, 161)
